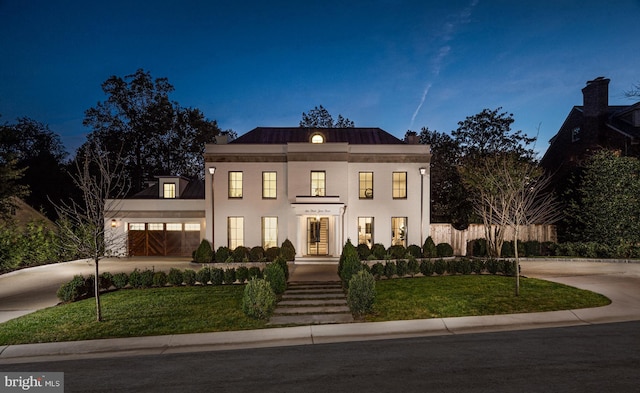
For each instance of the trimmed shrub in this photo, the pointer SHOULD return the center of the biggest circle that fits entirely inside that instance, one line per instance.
(414, 251)
(426, 267)
(377, 270)
(287, 250)
(159, 279)
(379, 251)
(135, 278)
(363, 251)
(106, 280)
(507, 250)
(478, 247)
(413, 266)
(272, 253)
(492, 266)
(146, 278)
(255, 272)
(477, 266)
(258, 299)
(203, 276)
(217, 276)
(203, 253)
(240, 253)
(175, 277)
(508, 268)
(439, 267)
(452, 267)
(389, 269)
(120, 280)
(283, 264)
(444, 250)
(242, 274)
(72, 290)
(465, 266)
(89, 285)
(397, 252)
(189, 277)
(362, 293)
(429, 248)
(349, 263)
(230, 276)
(402, 267)
(222, 254)
(256, 254)
(275, 277)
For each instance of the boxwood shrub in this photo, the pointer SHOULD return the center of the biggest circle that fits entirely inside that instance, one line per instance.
(439, 267)
(363, 251)
(377, 270)
(120, 280)
(230, 276)
(159, 279)
(175, 277)
(255, 272)
(217, 276)
(275, 277)
(402, 267)
(258, 299)
(389, 269)
(413, 266)
(426, 267)
(444, 250)
(203, 276)
(242, 274)
(222, 254)
(189, 277)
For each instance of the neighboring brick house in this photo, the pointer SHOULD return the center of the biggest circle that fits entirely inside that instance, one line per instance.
(315, 187)
(593, 126)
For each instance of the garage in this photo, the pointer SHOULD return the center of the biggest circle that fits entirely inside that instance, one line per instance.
(163, 239)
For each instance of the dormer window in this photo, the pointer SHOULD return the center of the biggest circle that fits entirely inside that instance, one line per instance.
(317, 138)
(169, 190)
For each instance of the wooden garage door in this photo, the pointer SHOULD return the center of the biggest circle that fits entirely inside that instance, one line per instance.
(163, 239)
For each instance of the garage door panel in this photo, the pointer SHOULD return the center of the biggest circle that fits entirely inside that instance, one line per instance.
(137, 243)
(173, 243)
(156, 242)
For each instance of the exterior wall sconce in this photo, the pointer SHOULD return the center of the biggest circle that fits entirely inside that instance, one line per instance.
(212, 170)
(114, 223)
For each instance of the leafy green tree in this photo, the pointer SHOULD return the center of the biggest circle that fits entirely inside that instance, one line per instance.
(606, 204)
(319, 117)
(156, 136)
(449, 201)
(482, 138)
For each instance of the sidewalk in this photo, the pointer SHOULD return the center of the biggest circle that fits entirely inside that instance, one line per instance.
(618, 281)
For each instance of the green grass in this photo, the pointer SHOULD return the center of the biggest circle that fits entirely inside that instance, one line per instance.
(456, 296)
(129, 313)
(159, 311)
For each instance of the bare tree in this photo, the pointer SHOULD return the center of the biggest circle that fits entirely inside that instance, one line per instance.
(634, 92)
(520, 197)
(103, 185)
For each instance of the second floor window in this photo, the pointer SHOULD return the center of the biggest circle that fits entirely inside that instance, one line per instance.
(269, 185)
(169, 190)
(235, 184)
(318, 183)
(366, 185)
(399, 185)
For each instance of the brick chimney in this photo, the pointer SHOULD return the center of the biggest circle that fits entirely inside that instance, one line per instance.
(596, 97)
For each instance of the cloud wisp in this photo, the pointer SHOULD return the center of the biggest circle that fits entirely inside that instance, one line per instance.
(448, 34)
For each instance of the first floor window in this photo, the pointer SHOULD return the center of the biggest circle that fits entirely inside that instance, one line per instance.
(365, 231)
(399, 231)
(235, 232)
(269, 232)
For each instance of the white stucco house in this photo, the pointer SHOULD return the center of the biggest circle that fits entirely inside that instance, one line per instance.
(315, 187)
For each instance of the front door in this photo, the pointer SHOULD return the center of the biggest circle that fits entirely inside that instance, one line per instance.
(318, 236)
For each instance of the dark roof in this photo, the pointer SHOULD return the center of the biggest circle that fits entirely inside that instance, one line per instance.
(283, 135)
(194, 190)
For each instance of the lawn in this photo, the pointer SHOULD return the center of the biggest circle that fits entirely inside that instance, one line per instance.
(177, 310)
(471, 295)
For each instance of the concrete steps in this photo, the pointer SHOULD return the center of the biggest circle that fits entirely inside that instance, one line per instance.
(312, 303)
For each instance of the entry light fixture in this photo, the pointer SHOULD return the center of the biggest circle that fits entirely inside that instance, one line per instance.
(212, 170)
(114, 223)
(423, 171)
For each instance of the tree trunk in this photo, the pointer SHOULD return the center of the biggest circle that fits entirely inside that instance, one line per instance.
(96, 288)
(515, 248)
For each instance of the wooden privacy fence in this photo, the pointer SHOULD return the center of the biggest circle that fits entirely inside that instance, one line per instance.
(446, 233)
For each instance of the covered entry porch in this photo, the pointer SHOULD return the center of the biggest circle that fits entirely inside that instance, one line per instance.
(319, 226)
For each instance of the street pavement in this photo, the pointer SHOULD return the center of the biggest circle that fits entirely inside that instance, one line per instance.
(27, 290)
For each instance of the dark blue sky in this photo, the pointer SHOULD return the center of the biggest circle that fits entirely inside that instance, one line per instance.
(396, 65)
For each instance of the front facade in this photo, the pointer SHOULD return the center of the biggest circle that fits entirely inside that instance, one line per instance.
(317, 188)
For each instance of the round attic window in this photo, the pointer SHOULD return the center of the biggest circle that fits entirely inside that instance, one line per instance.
(317, 138)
